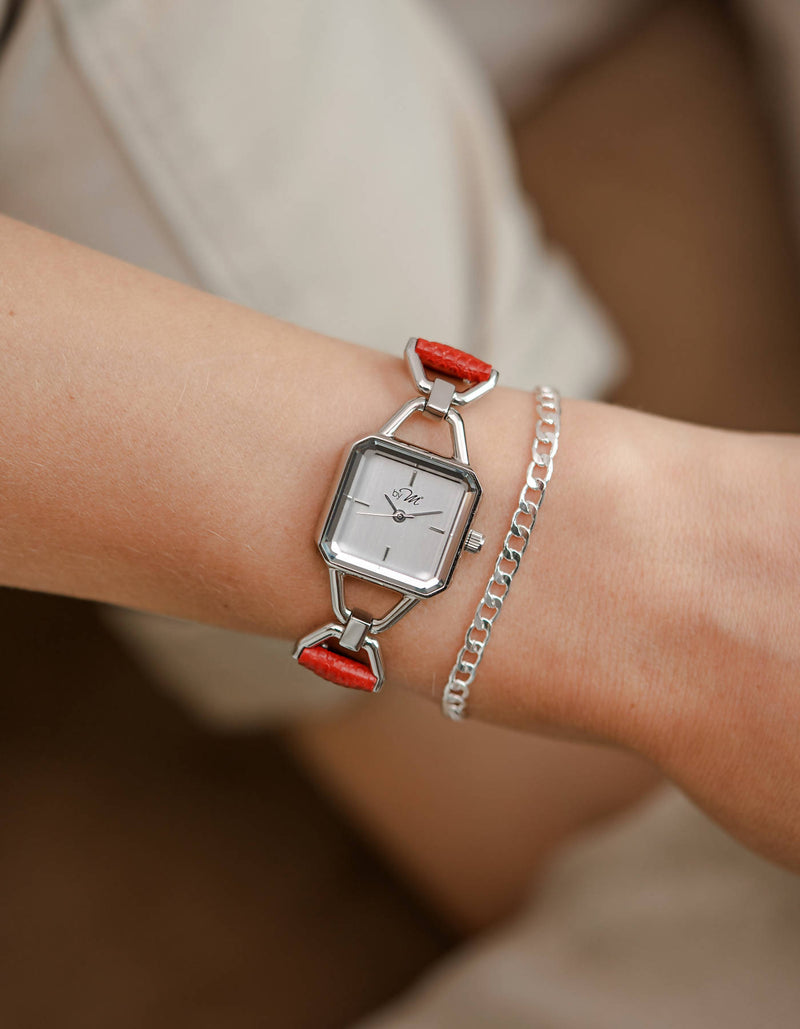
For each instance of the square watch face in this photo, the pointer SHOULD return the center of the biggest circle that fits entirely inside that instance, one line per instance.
(399, 516)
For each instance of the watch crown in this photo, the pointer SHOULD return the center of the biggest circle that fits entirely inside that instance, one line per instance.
(474, 541)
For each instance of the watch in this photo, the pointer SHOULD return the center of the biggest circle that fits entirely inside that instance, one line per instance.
(400, 516)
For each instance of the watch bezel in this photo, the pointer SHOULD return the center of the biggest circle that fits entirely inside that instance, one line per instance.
(372, 571)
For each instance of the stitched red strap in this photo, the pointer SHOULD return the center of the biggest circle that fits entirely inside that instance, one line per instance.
(449, 361)
(338, 668)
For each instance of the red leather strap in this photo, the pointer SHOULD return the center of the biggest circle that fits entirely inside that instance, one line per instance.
(449, 361)
(338, 668)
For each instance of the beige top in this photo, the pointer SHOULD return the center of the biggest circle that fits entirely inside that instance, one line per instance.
(662, 922)
(338, 165)
(342, 166)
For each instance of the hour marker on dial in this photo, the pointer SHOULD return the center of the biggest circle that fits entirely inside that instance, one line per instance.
(390, 496)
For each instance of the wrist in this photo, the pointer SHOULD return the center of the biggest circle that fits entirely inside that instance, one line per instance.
(733, 705)
(593, 640)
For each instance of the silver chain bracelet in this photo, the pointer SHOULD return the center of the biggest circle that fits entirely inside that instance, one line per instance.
(543, 452)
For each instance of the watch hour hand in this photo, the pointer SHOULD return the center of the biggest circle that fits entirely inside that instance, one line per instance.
(391, 505)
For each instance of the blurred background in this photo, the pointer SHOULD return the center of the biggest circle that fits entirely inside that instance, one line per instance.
(156, 872)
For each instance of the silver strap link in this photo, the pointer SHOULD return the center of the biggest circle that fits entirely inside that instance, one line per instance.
(537, 476)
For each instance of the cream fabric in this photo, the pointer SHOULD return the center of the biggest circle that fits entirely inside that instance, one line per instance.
(662, 922)
(341, 165)
(522, 45)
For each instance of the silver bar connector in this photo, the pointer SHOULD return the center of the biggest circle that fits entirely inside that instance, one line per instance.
(440, 398)
(354, 633)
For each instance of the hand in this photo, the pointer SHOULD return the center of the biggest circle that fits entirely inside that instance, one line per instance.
(658, 607)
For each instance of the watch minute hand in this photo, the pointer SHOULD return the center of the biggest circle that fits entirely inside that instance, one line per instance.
(391, 514)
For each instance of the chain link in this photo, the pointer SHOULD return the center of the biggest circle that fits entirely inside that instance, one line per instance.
(537, 476)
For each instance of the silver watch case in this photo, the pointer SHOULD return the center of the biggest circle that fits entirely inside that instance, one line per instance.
(395, 580)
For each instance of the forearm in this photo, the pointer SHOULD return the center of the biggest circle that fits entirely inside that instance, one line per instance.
(160, 446)
(171, 451)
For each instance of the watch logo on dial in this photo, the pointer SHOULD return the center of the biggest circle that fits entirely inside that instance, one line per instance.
(407, 495)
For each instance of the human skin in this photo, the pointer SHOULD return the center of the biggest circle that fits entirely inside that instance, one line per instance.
(167, 450)
(652, 165)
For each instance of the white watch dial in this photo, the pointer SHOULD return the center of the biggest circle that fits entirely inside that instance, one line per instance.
(399, 516)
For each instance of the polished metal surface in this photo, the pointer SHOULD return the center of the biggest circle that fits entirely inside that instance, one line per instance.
(345, 551)
(377, 625)
(340, 608)
(474, 541)
(453, 419)
(355, 631)
(537, 476)
(392, 617)
(440, 398)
